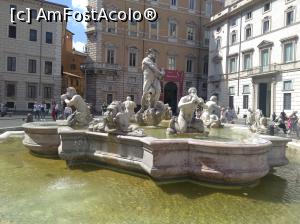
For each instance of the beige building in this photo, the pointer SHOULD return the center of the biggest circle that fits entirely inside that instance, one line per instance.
(30, 56)
(116, 50)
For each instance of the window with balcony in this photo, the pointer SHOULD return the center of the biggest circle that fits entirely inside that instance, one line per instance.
(232, 64)
(31, 66)
(248, 32)
(288, 52)
(171, 63)
(265, 59)
(287, 101)
(247, 61)
(266, 25)
(11, 64)
(289, 16)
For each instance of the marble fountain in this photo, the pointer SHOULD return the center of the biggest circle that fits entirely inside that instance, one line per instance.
(224, 154)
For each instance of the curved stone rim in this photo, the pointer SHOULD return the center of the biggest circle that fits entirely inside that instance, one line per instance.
(40, 125)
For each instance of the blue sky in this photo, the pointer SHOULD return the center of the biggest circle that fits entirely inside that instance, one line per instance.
(77, 28)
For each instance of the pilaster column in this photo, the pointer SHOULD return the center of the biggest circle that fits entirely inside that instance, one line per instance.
(273, 96)
(254, 96)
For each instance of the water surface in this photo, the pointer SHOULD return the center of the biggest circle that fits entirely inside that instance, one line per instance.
(36, 190)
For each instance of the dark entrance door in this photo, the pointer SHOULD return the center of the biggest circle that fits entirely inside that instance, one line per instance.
(170, 95)
(263, 91)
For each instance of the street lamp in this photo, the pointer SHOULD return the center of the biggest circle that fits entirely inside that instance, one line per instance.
(83, 69)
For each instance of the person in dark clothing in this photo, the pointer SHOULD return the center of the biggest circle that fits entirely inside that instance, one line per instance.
(273, 116)
(281, 121)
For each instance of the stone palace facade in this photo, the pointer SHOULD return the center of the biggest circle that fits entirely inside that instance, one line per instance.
(254, 56)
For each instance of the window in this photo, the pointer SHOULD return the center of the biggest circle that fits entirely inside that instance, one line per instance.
(231, 102)
(266, 25)
(110, 57)
(232, 64)
(192, 4)
(233, 37)
(31, 66)
(289, 17)
(31, 91)
(12, 7)
(265, 60)
(231, 90)
(11, 64)
(171, 63)
(132, 58)
(267, 7)
(33, 13)
(133, 28)
(33, 35)
(49, 38)
(234, 22)
(12, 32)
(288, 52)
(174, 3)
(218, 43)
(172, 30)
(206, 38)
(73, 66)
(191, 33)
(287, 101)
(47, 92)
(246, 89)
(248, 32)
(109, 98)
(153, 33)
(249, 15)
(247, 61)
(10, 90)
(189, 65)
(48, 67)
(287, 85)
(245, 101)
(208, 7)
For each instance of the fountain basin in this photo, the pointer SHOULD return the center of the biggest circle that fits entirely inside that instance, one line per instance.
(218, 162)
(41, 138)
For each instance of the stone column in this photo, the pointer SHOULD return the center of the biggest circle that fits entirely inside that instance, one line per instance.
(273, 96)
(254, 96)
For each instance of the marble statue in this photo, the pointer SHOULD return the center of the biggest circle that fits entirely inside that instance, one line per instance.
(186, 122)
(152, 110)
(129, 107)
(116, 121)
(257, 122)
(152, 77)
(82, 115)
(211, 114)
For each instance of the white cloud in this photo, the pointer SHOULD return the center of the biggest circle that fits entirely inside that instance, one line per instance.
(79, 46)
(80, 4)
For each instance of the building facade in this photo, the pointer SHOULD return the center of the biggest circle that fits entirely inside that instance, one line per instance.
(115, 50)
(72, 61)
(254, 56)
(30, 56)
